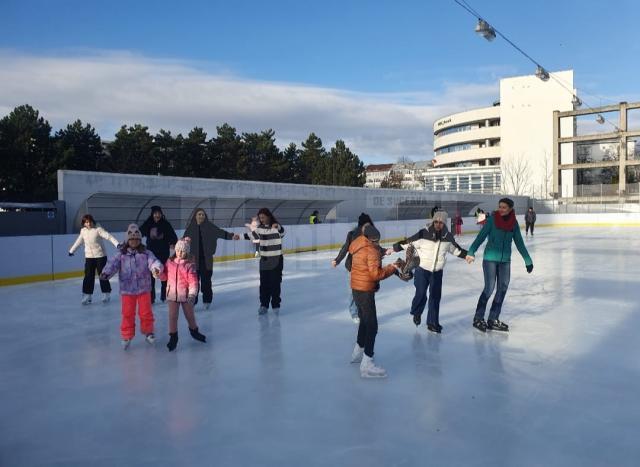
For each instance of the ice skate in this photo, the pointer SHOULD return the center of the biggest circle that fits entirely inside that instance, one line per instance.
(86, 299)
(497, 325)
(434, 328)
(355, 319)
(173, 341)
(480, 325)
(150, 338)
(356, 355)
(262, 310)
(106, 297)
(126, 343)
(417, 319)
(196, 335)
(368, 369)
(207, 306)
(276, 310)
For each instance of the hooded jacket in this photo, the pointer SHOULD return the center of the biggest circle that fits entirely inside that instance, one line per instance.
(432, 247)
(134, 268)
(498, 247)
(182, 279)
(366, 265)
(160, 235)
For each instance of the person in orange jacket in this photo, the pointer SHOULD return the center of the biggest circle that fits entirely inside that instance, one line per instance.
(366, 273)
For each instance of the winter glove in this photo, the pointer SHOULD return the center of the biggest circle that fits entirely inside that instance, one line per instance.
(70, 254)
(120, 246)
(191, 299)
(529, 268)
(155, 272)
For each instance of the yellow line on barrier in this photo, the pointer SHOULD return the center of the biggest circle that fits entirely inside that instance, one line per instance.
(219, 259)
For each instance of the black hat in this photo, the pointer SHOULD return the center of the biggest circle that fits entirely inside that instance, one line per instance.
(371, 233)
(156, 209)
(364, 219)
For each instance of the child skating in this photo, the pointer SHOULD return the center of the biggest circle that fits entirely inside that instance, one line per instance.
(134, 265)
(182, 289)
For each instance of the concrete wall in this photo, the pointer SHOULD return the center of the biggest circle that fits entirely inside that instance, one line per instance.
(45, 257)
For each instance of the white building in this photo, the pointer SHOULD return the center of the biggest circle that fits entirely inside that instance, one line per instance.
(503, 148)
(410, 174)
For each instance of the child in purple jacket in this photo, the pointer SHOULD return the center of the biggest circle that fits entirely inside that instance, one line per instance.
(133, 263)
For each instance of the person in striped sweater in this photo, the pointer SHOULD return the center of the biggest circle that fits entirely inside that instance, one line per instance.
(269, 232)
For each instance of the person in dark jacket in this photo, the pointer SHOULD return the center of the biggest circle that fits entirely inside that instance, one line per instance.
(502, 230)
(344, 251)
(204, 236)
(529, 221)
(160, 238)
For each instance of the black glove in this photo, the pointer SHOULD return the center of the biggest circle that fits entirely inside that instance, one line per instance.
(529, 268)
(70, 254)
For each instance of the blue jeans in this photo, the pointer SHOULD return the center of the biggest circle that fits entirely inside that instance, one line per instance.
(493, 272)
(423, 280)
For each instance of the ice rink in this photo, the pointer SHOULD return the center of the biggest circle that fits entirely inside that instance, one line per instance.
(561, 389)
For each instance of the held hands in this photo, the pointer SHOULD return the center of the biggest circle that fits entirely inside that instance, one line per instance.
(236, 237)
(155, 272)
(389, 251)
(470, 259)
(334, 263)
(529, 268)
(104, 277)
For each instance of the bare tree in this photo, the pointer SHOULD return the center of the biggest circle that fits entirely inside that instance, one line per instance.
(515, 175)
(393, 180)
(547, 176)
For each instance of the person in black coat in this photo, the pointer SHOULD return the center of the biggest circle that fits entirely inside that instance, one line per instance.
(204, 236)
(160, 238)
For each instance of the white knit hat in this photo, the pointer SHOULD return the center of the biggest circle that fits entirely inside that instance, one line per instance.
(184, 244)
(440, 216)
(133, 231)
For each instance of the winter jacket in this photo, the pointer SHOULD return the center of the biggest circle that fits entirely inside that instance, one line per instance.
(344, 251)
(210, 234)
(92, 239)
(530, 217)
(134, 270)
(182, 279)
(498, 247)
(160, 235)
(432, 247)
(366, 266)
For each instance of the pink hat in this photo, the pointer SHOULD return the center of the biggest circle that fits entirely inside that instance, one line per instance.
(184, 244)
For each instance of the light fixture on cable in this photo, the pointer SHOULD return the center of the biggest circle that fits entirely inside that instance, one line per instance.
(485, 30)
(600, 119)
(542, 74)
(576, 101)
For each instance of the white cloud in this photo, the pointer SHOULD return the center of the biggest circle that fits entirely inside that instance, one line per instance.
(110, 89)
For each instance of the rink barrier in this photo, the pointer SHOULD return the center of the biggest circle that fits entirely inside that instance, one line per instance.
(44, 257)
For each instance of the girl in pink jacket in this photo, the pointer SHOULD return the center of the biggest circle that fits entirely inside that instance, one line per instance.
(182, 289)
(134, 265)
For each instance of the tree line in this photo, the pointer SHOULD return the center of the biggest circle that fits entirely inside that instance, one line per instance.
(31, 156)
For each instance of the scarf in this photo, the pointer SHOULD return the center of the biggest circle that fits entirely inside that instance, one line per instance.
(505, 223)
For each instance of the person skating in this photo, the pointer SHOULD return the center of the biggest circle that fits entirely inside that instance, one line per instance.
(95, 257)
(269, 232)
(344, 251)
(457, 222)
(502, 229)
(160, 238)
(182, 288)
(431, 245)
(530, 221)
(133, 262)
(366, 273)
(204, 235)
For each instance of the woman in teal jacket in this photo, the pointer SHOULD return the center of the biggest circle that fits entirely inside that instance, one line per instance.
(502, 228)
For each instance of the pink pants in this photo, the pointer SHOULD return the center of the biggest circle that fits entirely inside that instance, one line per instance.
(128, 325)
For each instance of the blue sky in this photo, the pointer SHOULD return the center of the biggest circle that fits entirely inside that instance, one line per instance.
(307, 64)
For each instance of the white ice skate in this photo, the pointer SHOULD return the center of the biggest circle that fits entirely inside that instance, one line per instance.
(151, 339)
(126, 343)
(356, 355)
(262, 310)
(368, 369)
(86, 299)
(355, 319)
(207, 306)
(106, 297)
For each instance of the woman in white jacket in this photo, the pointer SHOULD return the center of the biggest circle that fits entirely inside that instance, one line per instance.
(431, 245)
(95, 257)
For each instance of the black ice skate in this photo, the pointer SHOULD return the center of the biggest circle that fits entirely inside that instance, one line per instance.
(173, 341)
(497, 325)
(480, 325)
(410, 262)
(417, 320)
(197, 336)
(434, 328)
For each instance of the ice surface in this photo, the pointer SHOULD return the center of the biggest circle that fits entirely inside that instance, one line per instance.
(561, 389)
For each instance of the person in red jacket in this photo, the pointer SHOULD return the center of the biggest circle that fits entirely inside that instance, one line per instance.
(366, 273)
(182, 289)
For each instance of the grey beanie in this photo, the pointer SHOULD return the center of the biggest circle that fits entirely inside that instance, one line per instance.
(440, 216)
(371, 233)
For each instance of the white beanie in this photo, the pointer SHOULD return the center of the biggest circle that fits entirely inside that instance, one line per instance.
(440, 216)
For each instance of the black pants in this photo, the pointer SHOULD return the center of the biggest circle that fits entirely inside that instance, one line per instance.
(204, 278)
(90, 267)
(163, 290)
(270, 280)
(529, 225)
(366, 302)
